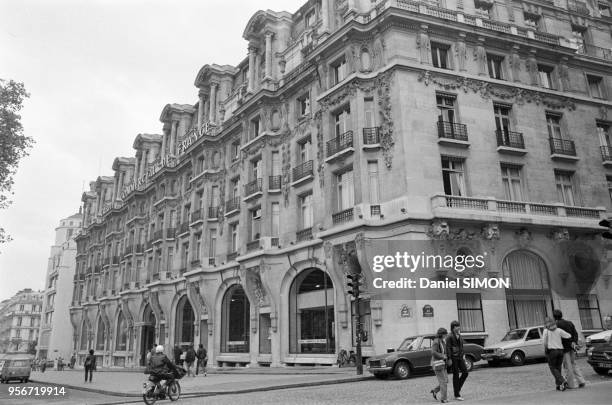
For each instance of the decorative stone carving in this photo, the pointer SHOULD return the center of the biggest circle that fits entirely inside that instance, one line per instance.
(523, 237)
(559, 235)
(490, 232)
(564, 75)
(480, 56)
(194, 293)
(328, 248)
(532, 67)
(498, 91)
(286, 166)
(462, 234)
(439, 230)
(320, 148)
(424, 45)
(603, 112)
(378, 53)
(461, 51)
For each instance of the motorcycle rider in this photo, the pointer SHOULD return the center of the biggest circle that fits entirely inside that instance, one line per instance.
(161, 367)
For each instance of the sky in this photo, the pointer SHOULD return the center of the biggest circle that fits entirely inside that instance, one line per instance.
(99, 72)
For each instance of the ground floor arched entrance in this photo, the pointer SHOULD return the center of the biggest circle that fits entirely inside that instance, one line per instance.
(147, 338)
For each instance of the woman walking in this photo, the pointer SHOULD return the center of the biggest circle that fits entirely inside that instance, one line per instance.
(90, 365)
(438, 363)
(553, 347)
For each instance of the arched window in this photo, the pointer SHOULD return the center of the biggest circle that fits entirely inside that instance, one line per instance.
(84, 335)
(528, 299)
(235, 321)
(100, 335)
(311, 313)
(121, 340)
(185, 319)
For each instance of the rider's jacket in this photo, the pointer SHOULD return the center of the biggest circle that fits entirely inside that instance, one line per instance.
(161, 364)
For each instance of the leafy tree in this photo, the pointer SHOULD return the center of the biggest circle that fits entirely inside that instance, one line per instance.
(13, 144)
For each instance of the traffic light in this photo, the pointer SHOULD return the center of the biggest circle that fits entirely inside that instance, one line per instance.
(605, 223)
(354, 282)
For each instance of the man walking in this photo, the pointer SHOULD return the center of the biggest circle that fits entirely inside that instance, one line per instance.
(454, 349)
(90, 365)
(202, 356)
(574, 375)
(190, 357)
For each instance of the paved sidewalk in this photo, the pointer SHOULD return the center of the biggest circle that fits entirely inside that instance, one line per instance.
(129, 383)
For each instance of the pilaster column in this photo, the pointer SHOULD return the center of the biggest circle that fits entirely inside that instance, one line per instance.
(213, 102)
(115, 188)
(251, 85)
(164, 142)
(201, 110)
(143, 162)
(481, 57)
(268, 74)
(172, 150)
(121, 179)
(137, 167)
(325, 15)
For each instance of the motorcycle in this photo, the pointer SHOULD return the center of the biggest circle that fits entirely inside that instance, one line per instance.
(153, 390)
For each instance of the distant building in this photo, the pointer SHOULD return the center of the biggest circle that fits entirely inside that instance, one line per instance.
(19, 321)
(55, 327)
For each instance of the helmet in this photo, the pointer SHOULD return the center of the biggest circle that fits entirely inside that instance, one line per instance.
(159, 349)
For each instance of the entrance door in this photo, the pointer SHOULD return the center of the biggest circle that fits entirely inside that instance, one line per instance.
(148, 338)
(204, 333)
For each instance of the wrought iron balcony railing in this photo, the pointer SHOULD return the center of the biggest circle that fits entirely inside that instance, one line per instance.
(213, 212)
(253, 245)
(452, 130)
(253, 187)
(170, 233)
(343, 216)
(606, 153)
(562, 147)
(196, 216)
(371, 136)
(274, 182)
(303, 170)
(233, 204)
(232, 256)
(303, 234)
(340, 143)
(510, 139)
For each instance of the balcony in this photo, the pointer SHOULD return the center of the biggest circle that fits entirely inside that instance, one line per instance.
(97, 269)
(116, 259)
(340, 146)
(196, 216)
(510, 142)
(562, 149)
(128, 250)
(170, 233)
(158, 236)
(232, 206)
(578, 7)
(253, 245)
(183, 229)
(595, 51)
(302, 173)
(452, 134)
(212, 261)
(371, 138)
(606, 155)
(274, 184)
(343, 216)
(232, 256)
(253, 189)
(213, 213)
(491, 209)
(140, 248)
(303, 234)
(155, 276)
(195, 263)
(107, 261)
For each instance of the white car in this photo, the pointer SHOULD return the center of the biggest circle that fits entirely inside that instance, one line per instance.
(597, 338)
(517, 346)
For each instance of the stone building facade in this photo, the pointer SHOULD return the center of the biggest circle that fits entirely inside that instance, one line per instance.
(477, 125)
(19, 321)
(55, 327)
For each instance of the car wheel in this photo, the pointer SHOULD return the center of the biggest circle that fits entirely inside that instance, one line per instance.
(517, 359)
(601, 371)
(469, 363)
(381, 376)
(402, 370)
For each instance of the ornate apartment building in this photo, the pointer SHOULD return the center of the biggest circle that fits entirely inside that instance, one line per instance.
(19, 321)
(55, 327)
(481, 124)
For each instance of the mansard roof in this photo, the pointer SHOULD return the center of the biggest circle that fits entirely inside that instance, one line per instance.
(123, 161)
(166, 114)
(207, 70)
(140, 138)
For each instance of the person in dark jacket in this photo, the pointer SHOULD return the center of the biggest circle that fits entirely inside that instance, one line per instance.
(190, 357)
(202, 356)
(90, 365)
(177, 355)
(438, 353)
(574, 376)
(454, 349)
(161, 367)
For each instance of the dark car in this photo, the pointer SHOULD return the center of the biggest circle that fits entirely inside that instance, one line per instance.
(600, 358)
(414, 356)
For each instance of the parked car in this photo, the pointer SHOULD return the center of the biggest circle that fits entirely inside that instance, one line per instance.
(599, 338)
(600, 358)
(15, 367)
(414, 356)
(517, 346)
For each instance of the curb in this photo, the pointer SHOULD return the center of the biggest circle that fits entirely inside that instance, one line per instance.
(213, 393)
